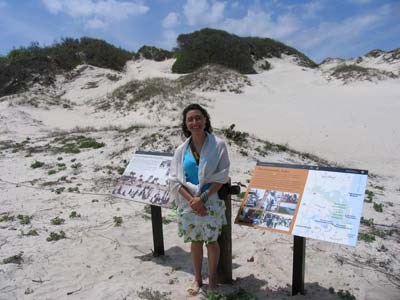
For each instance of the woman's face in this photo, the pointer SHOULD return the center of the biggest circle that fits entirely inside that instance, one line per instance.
(195, 121)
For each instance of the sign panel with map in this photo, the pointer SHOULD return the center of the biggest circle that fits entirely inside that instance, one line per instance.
(145, 179)
(315, 202)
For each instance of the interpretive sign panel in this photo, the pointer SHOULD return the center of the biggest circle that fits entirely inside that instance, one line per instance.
(315, 202)
(145, 179)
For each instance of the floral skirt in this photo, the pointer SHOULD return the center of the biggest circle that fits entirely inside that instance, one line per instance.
(195, 228)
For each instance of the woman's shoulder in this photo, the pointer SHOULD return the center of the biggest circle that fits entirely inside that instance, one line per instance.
(218, 140)
(182, 146)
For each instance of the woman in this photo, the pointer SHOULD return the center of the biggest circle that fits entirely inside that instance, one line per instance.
(198, 170)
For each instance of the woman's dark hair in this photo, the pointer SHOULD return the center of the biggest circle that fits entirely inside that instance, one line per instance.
(190, 107)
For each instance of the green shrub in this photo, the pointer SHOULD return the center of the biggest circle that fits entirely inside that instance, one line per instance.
(117, 221)
(89, 143)
(369, 196)
(73, 190)
(15, 259)
(120, 170)
(37, 164)
(153, 53)
(26, 65)
(57, 221)
(59, 190)
(6, 218)
(367, 222)
(208, 46)
(24, 220)
(51, 172)
(54, 236)
(32, 232)
(378, 207)
(61, 167)
(238, 137)
(74, 214)
(150, 294)
(349, 68)
(76, 165)
(366, 237)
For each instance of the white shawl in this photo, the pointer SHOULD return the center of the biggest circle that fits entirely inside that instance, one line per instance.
(213, 167)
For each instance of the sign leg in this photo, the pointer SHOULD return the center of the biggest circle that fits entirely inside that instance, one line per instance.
(156, 221)
(225, 243)
(299, 255)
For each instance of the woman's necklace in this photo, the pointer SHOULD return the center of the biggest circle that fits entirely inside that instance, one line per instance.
(196, 149)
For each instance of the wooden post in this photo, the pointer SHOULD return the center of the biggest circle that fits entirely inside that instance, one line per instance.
(156, 221)
(225, 244)
(299, 255)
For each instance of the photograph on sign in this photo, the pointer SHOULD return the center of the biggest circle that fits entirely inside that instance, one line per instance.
(268, 208)
(145, 179)
(308, 201)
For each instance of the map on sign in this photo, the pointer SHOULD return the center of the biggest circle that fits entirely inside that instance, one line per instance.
(145, 179)
(314, 202)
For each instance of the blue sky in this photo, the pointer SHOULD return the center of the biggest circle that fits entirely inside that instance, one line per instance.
(318, 28)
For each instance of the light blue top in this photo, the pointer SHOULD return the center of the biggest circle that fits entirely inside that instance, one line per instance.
(191, 169)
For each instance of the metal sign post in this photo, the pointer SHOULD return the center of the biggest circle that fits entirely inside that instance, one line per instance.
(299, 263)
(158, 239)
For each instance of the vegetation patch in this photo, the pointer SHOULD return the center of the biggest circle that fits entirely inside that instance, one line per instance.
(6, 218)
(32, 232)
(214, 78)
(134, 92)
(74, 214)
(367, 222)
(153, 53)
(73, 190)
(74, 144)
(150, 294)
(57, 221)
(37, 164)
(51, 172)
(59, 190)
(238, 137)
(24, 219)
(241, 294)
(76, 166)
(369, 196)
(378, 207)
(24, 66)
(356, 72)
(117, 221)
(219, 47)
(366, 237)
(54, 236)
(15, 259)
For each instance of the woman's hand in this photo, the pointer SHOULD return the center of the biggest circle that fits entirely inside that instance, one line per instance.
(197, 205)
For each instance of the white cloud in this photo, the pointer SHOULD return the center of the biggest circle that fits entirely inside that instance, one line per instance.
(95, 24)
(169, 39)
(347, 34)
(235, 4)
(260, 23)
(96, 14)
(201, 12)
(311, 9)
(171, 20)
(340, 32)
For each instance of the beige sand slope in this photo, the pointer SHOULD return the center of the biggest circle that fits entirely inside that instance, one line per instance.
(352, 125)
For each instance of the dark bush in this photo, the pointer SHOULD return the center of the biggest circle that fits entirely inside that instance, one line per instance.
(154, 53)
(208, 46)
(35, 64)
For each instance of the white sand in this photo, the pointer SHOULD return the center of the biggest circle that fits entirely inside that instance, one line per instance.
(353, 125)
